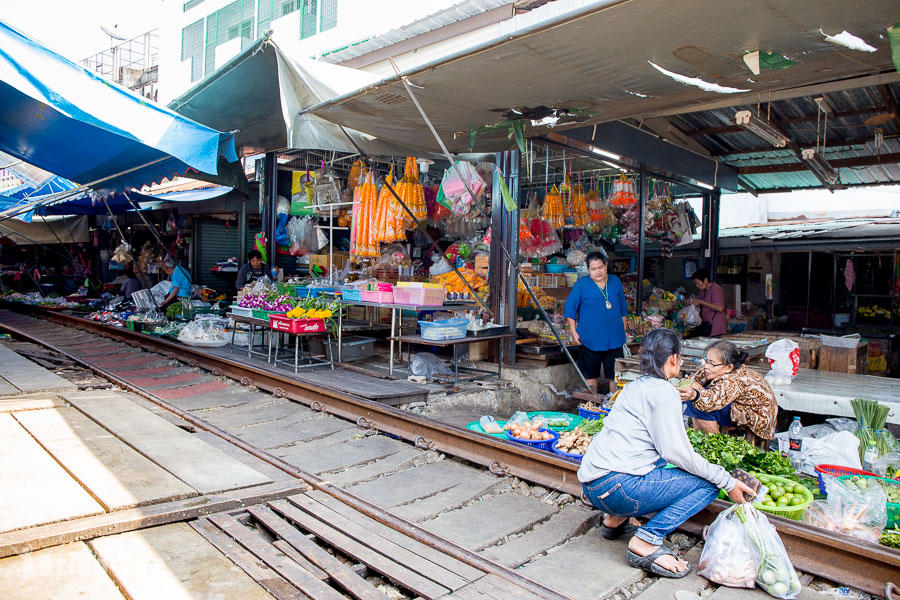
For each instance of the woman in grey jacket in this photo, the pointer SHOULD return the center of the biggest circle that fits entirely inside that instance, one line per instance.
(625, 473)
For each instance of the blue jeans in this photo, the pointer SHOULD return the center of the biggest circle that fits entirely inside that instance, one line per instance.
(674, 495)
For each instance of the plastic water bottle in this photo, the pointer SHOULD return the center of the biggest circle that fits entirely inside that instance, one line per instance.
(795, 440)
(870, 457)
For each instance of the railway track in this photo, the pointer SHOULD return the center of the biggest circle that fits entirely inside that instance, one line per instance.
(517, 469)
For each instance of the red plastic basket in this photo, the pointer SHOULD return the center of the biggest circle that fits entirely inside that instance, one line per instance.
(837, 471)
(288, 325)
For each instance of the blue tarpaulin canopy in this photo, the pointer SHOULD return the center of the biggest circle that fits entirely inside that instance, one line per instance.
(81, 203)
(60, 117)
(54, 185)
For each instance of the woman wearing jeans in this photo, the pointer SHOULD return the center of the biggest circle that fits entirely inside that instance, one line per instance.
(625, 474)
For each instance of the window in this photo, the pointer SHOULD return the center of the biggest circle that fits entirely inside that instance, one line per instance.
(192, 48)
(191, 4)
(288, 7)
(317, 16)
(228, 23)
(269, 10)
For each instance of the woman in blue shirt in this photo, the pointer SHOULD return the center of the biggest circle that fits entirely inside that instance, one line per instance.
(595, 312)
(181, 282)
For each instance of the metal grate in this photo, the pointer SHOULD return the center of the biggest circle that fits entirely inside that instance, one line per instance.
(192, 48)
(191, 4)
(329, 15)
(228, 23)
(264, 16)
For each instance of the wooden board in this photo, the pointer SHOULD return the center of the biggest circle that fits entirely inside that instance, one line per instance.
(69, 571)
(201, 466)
(854, 361)
(376, 561)
(492, 587)
(275, 559)
(261, 574)
(173, 562)
(45, 536)
(35, 488)
(29, 377)
(116, 475)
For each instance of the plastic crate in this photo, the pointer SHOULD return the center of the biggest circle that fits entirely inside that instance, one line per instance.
(448, 329)
(568, 455)
(312, 292)
(351, 295)
(417, 296)
(259, 313)
(546, 445)
(837, 471)
(241, 311)
(893, 509)
(593, 415)
(379, 297)
(289, 325)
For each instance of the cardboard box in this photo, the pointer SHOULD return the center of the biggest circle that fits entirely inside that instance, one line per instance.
(845, 360)
(321, 260)
(357, 313)
(482, 265)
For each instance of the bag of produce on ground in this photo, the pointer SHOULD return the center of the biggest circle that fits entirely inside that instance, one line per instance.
(774, 572)
(490, 425)
(728, 557)
(855, 507)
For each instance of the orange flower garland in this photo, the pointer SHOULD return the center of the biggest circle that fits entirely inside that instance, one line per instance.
(366, 194)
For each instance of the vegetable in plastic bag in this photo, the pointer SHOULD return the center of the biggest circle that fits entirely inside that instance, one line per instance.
(728, 557)
(489, 424)
(846, 511)
(887, 465)
(691, 316)
(774, 572)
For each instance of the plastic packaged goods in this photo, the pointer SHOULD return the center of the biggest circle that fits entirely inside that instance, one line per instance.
(855, 511)
(456, 189)
(784, 361)
(795, 440)
(728, 557)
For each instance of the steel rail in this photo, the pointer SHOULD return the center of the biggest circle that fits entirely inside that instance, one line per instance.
(850, 561)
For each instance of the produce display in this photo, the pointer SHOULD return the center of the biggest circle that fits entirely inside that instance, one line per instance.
(527, 431)
(271, 301)
(781, 493)
(169, 329)
(861, 485)
(891, 538)
(314, 308)
(850, 509)
(575, 441)
(871, 417)
(454, 284)
(736, 453)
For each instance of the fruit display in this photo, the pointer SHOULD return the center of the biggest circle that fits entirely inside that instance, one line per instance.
(271, 302)
(874, 312)
(453, 283)
(783, 492)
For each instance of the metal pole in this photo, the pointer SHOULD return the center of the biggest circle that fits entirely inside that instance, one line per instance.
(715, 201)
(704, 232)
(642, 239)
(149, 225)
(808, 287)
(242, 233)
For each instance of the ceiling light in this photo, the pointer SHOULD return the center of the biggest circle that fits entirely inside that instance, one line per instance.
(820, 167)
(603, 152)
(761, 129)
(613, 165)
(705, 186)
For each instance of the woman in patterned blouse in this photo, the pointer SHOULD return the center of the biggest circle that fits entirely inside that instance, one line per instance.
(727, 393)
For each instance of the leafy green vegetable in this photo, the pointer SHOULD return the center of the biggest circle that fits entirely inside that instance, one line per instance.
(891, 538)
(591, 426)
(736, 453)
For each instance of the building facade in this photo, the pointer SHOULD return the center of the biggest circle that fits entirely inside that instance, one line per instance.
(198, 36)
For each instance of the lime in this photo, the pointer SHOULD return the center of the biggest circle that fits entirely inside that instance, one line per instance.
(769, 503)
(799, 489)
(796, 501)
(789, 496)
(776, 493)
(768, 498)
(783, 501)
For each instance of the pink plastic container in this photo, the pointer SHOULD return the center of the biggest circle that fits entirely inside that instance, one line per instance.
(416, 296)
(380, 297)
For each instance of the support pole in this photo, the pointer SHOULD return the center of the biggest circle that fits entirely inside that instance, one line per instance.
(705, 232)
(642, 239)
(242, 233)
(714, 202)
(270, 202)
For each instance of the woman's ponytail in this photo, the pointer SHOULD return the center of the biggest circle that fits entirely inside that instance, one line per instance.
(656, 349)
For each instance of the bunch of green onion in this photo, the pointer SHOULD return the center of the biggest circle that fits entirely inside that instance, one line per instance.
(871, 417)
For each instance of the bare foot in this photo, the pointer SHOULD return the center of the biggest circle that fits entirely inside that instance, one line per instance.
(672, 563)
(613, 521)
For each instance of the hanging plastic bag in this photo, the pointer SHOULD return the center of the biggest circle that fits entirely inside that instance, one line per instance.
(784, 361)
(692, 316)
(728, 557)
(860, 512)
(456, 189)
(774, 571)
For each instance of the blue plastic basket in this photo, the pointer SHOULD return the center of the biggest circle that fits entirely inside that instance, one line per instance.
(537, 444)
(568, 455)
(448, 329)
(593, 415)
(352, 295)
(312, 292)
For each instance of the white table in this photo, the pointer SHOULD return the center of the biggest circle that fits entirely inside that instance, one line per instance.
(829, 393)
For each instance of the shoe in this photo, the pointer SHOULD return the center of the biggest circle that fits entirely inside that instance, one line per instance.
(648, 563)
(614, 533)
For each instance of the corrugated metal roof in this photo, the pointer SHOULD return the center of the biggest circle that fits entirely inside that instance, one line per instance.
(836, 229)
(846, 136)
(448, 16)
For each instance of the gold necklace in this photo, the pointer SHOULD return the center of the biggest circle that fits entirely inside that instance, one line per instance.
(605, 295)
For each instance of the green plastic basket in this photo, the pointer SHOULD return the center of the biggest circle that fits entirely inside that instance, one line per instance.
(259, 313)
(788, 512)
(893, 509)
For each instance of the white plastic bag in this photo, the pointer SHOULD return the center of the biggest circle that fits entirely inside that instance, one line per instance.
(841, 448)
(428, 365)
(456, 191)
(850, 511)
(692, 316)
(727, 557)
(784, 361)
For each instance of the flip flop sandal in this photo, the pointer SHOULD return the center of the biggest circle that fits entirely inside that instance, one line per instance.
(647, 563)
(614, 533)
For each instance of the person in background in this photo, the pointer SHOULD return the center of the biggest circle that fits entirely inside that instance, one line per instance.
(595, 312)
(711, 302)
(181, 282)
(624, 471)
(130, 285)
(728, 393)
(254, 270)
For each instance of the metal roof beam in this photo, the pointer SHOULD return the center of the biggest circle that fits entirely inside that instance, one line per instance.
(788, 94)
(842, 163)
(779, 122)
(831, 146)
